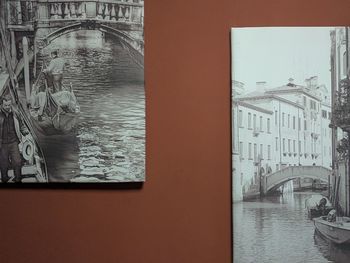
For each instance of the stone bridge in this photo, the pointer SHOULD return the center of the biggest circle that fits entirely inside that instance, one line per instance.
(274, 180)
(42, 21)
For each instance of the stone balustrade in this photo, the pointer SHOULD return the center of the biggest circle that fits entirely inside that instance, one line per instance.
(109, 10)
(29, 11)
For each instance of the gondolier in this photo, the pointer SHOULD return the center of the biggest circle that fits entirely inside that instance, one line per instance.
(55, 69)
(11, 131)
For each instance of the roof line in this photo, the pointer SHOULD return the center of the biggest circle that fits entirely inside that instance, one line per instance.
(294, 90)
(270, 96)
(248, 105)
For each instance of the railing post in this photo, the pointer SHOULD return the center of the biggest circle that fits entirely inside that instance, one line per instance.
(106, 14)
(72, 10)
(66, 11)
(59, 10)
(100, 10)
(120, 13)
(113, 13)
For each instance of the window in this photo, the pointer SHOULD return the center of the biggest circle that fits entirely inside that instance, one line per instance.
(276, 139)
(329, 115)
(288, 120)
(254, 121)
(268, 125)
(276, 117)
(324, 114)
(284, 145)
(240, 116)
(283, 119)
(304, 101)
(299, 147)
(294, 146)
(289, 145)
(312, 104)
(269, 152)
(305, 127)
(277, 167)
(249, 120)
(293, 122)
(241, 149)
(261, 123)
(261, 151)
(304, 146)
(255, 152)
(250, 151)
(299, 123)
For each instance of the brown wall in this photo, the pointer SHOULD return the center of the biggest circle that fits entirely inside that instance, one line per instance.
(182, 213)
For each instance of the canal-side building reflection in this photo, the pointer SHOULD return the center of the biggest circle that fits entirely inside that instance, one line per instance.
(274, 128)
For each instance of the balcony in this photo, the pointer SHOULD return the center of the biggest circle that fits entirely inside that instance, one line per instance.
(21, 14)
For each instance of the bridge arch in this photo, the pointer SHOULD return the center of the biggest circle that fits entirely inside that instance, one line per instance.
(274, 180)
(134, 46)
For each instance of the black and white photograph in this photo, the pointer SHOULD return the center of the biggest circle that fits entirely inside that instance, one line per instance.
(72, 93)
(290, 144)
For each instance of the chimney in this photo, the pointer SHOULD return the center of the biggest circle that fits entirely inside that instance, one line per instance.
(308, 83)
(237, 88)
(291, 81)
(314, 81)
(261, 85)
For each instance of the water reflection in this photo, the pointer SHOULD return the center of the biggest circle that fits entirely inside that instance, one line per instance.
(276, 229)
(109, 144)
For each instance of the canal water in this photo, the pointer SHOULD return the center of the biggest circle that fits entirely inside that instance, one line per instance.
(276, 229)
(109, 143)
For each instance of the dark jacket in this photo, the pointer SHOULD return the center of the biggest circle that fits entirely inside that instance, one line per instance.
(20, 128)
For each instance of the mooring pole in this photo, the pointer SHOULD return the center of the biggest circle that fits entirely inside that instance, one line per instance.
(35, 51)
(26, 68)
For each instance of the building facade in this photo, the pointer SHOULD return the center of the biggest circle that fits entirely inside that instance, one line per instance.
(278, 127)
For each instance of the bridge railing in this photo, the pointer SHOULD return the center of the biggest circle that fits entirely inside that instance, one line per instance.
(22, 12)
(127, 11)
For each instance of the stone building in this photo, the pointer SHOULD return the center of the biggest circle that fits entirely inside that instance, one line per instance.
(278, 127)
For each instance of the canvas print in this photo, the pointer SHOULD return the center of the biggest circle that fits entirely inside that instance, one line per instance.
(72, 95)
(290, 144)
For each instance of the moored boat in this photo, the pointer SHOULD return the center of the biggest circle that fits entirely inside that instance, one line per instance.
(337, 231)
(53, 113)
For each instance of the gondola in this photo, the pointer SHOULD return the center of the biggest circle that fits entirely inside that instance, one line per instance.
(53, 113)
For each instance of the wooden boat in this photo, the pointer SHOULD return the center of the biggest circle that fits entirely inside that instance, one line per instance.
(53, 113)
(337, 231)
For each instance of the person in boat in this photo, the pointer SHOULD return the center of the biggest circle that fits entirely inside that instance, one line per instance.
(331, 217)
(11, 130)
(321, 206)
(55, 71)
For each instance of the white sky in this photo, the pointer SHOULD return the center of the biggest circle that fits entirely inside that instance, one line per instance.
(275, 54)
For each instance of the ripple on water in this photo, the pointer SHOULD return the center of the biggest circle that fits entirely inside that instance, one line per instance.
(109, 87)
